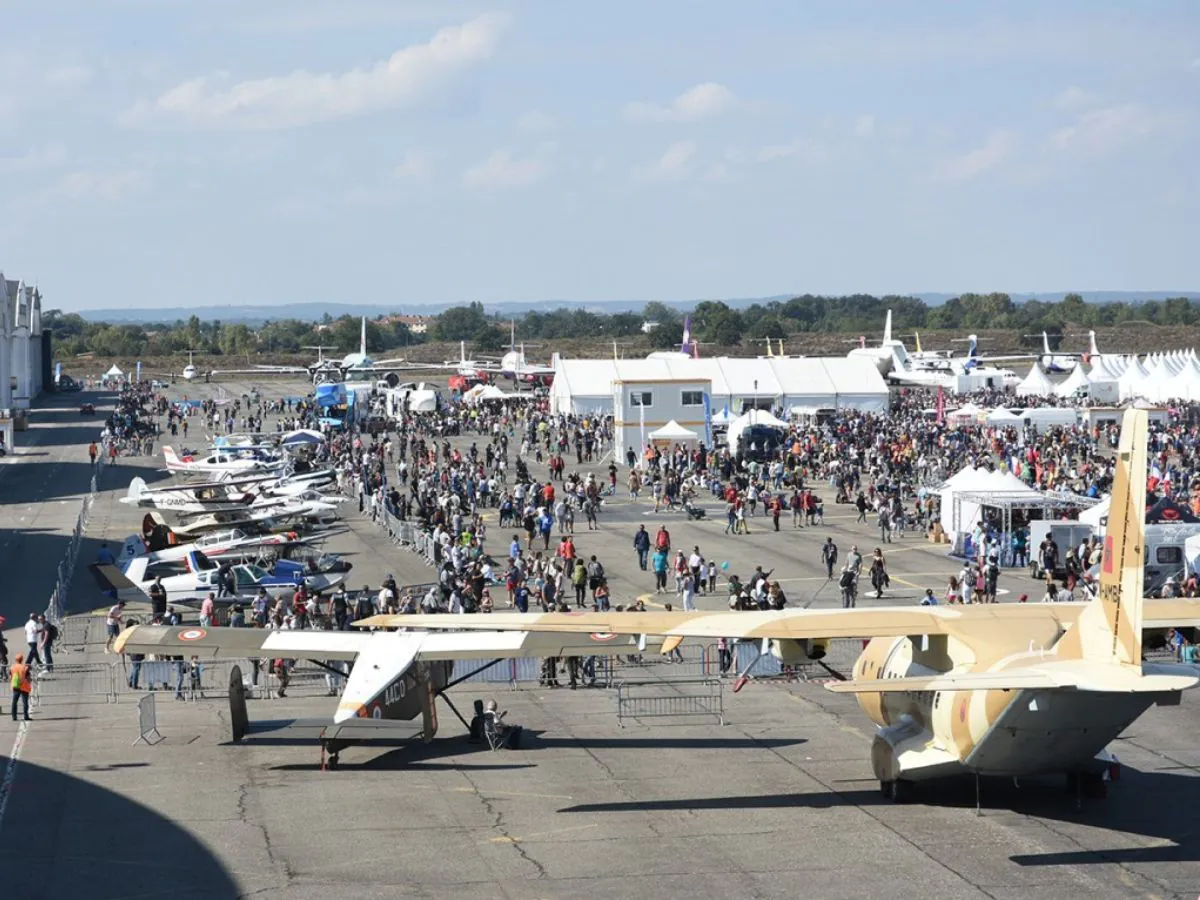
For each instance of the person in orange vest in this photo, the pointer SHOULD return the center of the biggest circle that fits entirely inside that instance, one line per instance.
(21, 686)
(92, 452)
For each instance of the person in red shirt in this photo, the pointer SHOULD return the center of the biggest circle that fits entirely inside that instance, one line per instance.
(548, 494)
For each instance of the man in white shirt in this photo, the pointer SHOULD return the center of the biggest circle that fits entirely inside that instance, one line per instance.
(33, 631)
(113, 624)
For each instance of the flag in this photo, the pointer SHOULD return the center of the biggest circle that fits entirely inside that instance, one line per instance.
(941, 405)
(708, 441)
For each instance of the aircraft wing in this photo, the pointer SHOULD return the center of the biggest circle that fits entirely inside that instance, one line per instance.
(217, 642)
(798, 624)
(781, 624)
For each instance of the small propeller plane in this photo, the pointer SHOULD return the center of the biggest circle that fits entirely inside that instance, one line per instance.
(395, 676)
(1009, 690)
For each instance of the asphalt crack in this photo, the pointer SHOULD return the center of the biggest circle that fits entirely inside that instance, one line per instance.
(503, 831)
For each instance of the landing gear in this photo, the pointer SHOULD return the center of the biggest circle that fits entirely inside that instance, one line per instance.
(1086, 784)
(898, 791)
(332, 763)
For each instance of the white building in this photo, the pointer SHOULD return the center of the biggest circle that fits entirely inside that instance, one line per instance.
(800, 384)
(20, 344)
(642, 406)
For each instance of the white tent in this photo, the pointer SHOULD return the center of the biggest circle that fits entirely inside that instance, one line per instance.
(1073, 383)
(674, 433)
(1131, 379)
(1093, 515)
(586, 385)
(1036, 384)
(758, 417)
(964, 415)
(114, 372)
(1002, 417)
(977, 482)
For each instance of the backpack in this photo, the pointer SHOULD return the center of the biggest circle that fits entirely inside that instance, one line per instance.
(51, 632)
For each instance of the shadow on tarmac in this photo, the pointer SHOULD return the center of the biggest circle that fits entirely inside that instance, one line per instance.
(83, 840)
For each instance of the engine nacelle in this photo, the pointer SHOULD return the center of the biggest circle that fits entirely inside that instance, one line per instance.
(795, 652)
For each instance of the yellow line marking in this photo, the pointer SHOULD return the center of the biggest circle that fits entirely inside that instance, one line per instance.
(505, 839)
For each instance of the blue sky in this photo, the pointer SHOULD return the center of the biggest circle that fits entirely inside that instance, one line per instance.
(161, 152)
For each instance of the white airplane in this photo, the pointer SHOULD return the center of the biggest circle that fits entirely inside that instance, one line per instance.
(197, 496)
(884, 355)
(189, 373)
(945, 372)
(396, 676)
(221, 461)
(993, 689)
(228, 542)
(189, 580)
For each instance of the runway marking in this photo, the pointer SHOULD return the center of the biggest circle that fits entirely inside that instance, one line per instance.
(468, 790)
(506, 839)
(10, 771)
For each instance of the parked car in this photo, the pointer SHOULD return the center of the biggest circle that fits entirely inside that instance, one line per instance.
(87, 409)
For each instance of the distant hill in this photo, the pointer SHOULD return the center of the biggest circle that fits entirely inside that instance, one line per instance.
(251, 314)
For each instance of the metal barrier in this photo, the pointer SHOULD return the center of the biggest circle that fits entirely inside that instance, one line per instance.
(670, 700)
(88, 681)
(56, 606)
(147, 721)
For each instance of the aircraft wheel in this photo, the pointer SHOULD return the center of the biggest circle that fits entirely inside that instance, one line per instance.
(897, 791)
(332, 763)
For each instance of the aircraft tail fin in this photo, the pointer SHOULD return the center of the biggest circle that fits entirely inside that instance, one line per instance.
(169, 455)
(899, 358)
(1109, 629)
(972, 345)
(362, 342)
(917, 337)
(1046, 343)
(1092, 344)
(887, 329)
(112, 581)
(133, 496)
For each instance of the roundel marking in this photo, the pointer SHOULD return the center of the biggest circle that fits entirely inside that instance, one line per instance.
(193, 634)
(376, 712)
(602, 637)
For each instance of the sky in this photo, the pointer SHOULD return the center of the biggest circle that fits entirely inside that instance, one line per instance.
(162, 152)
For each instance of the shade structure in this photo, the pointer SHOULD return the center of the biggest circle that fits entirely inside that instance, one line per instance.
(1074, 383)
(674, 433)
(1036, 383)
(114, 372)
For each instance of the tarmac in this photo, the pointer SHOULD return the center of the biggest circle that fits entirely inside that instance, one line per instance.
(777, 802)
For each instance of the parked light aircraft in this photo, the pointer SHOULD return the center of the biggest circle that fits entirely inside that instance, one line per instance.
(221, 461)
(190, 579)
(1008, 690)
(230, 542)
(396, 676)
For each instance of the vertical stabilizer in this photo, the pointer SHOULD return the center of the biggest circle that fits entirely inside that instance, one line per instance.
(972, 345)
(1046, 344)
(887, 329)
(362, 343)
(1092, 344)
(1110, 627)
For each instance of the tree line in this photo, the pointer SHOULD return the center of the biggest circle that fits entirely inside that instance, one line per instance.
(712, 322)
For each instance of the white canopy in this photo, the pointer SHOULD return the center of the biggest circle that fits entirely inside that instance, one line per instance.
(1002, 416)
(978, 482)
(1073, 383)
(673, 432)
(758, 417)
(1093, 514)
(114, 372)
(1036, 384)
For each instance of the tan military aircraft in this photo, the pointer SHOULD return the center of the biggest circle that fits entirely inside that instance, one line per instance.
(992, 689)
(395, 677)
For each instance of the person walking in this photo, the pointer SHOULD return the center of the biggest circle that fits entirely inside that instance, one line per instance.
(33, 638)
(641, 543)
(21, 686)
(689, 593)
(46, 638)
(829, 556)
(885, 525)
(848, 582)
(660, 571)
(879, 575)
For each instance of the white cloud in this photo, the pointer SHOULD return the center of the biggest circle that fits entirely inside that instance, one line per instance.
(704, 101)
(1074, 98)
(675, 161)
(501, 170)
(1101, 130)
(97, 185)
(535, 122)
(864, 125)
(998, 147)
(37, 158)
(410, 76)
(415, 166)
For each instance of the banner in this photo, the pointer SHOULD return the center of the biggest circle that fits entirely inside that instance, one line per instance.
(138, 376)
(708, 435)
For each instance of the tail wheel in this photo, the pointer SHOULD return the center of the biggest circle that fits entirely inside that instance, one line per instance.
(898, 791)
